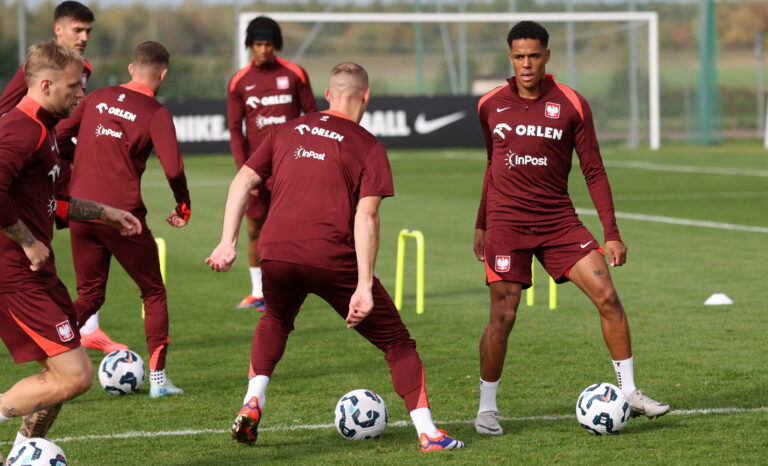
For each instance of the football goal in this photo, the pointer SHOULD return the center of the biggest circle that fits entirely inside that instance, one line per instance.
(600, 54)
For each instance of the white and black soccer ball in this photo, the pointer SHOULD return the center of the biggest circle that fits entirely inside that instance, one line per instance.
(122, 372)
(602, 409)
(361, 414)
(36, 452)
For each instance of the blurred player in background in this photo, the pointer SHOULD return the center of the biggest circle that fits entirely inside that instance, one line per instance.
(37, 318)
(116, 128)
(531, 127)
(322, 236)
(72, 25)
(267, 92)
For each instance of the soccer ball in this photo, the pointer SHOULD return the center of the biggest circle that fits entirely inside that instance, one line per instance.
(36, 452)
(602, 409)
(121, 372)
(361, 414)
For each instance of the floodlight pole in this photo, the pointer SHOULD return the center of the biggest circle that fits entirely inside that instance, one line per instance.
(20, 7)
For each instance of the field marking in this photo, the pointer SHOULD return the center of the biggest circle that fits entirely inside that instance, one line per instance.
(551, 417)
(680, 221)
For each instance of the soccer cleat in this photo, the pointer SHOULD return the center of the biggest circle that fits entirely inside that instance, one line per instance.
(639, 405)
(166, 389)
(100, 341)
(245, 429)
(251, 301)
(487, 422)
(443, 442)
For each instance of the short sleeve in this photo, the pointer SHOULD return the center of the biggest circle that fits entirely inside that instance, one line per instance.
(260, 160)
(377, 174)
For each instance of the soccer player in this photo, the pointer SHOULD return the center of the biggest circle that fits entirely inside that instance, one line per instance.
(72, 25)
(37, 318)
(267, 92)
(116, 128)
(531, 127)
(329, 176)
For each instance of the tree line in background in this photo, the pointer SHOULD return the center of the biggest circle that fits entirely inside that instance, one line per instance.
(201, 39)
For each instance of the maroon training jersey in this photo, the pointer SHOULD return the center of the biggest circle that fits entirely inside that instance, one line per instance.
(265, 95)
(17, 88)
(320, 165)
(530, 145)
(116, 128)
(29, 166)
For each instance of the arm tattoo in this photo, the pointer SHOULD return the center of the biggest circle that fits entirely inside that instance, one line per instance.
(38, 423)
(19, 233)
(599, 272)
(80, 209)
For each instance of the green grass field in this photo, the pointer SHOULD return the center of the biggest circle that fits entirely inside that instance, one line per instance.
(709, 362)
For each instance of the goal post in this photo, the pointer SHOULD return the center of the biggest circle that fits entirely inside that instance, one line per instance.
(650, 18)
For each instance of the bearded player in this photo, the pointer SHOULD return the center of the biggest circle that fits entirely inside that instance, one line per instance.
(531, 127)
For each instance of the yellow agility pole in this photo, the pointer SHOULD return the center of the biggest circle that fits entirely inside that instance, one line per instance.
(160, 255)
(529, 296)
(399, 272)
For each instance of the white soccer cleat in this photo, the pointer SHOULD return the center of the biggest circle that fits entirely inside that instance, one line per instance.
(166, 389)
(639, 405)
(487, 422)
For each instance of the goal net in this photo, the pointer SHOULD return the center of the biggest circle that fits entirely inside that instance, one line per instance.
(609, 57)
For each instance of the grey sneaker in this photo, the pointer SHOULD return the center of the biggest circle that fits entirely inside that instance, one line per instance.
(487, 422)
(639, 405)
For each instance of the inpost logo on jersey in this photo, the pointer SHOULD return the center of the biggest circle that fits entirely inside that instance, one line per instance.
(515, 160)
(302, 153)
(262, 121)
(102, 131)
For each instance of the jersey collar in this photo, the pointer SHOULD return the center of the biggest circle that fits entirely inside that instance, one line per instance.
(336, 114)
(34, 110)
(139, 87)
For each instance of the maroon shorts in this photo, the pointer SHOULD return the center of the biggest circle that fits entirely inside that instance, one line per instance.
(38, 323)
(509, 251)
(258, 206)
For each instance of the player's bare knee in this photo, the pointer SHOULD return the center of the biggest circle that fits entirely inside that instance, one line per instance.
(609, 304)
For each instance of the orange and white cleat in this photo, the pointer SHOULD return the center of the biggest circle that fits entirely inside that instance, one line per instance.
(100, 341)
(443, 442)
(245, 429)
(252, 302)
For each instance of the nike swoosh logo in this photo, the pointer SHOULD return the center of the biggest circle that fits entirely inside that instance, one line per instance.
(499, 110)
(248, 88)
(585, 244)
(424, 126)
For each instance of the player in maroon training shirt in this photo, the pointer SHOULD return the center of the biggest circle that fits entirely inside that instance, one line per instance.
(72, 26)
(116, 128)
(329, 176)
(267, 92)
(532, 126)
(37, 318)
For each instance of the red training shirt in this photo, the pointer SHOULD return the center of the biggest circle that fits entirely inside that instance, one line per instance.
(29, 167)
(17, 88)
(264, 96)
(321, 165)
(116, 128)
(530, 145)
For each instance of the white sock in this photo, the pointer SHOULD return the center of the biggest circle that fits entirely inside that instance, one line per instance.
(157, 377)
(625, 375)
(488, 396)
(256, 282)
(90, 325)
(257, 386)
(19, 439)
(422, 420)
(2, 417)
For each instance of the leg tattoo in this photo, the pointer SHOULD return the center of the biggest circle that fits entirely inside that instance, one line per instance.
(38, 423)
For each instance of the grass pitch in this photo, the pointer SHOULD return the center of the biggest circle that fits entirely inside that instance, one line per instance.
(709, 362)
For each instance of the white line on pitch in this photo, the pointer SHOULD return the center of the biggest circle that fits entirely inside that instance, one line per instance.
(680, 221)
(552, 417)
(687, 168)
